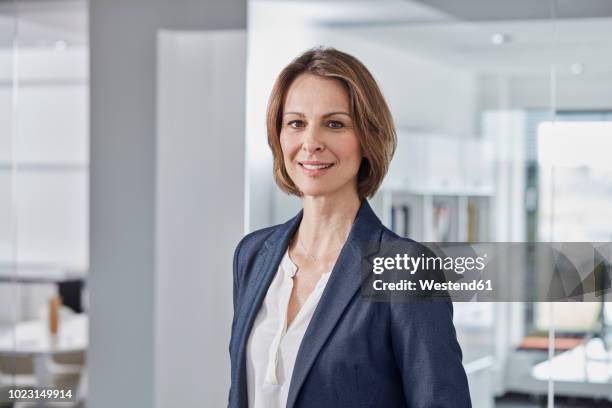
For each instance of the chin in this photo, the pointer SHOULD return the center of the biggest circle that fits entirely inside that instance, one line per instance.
(321, 187)
(315, 192)
(320, 191)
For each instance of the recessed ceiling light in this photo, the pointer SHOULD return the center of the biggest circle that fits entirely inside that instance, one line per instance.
(60, 45)
(577, 68)
(500, 38)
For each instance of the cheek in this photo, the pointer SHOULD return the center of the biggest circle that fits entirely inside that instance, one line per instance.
(286, 147)
(351, 149)
(283, 144)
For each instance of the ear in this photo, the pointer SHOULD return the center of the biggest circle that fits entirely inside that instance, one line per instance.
(364, 154)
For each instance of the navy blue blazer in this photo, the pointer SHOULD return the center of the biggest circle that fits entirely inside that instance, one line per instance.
(355, 353)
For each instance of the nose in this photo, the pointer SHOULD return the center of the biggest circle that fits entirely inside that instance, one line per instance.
(312, 142)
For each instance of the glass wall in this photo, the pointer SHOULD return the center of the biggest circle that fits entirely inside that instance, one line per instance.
(9, 293)
(503, 113)
(44, 190)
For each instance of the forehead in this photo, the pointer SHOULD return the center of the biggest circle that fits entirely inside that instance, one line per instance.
(315, 93)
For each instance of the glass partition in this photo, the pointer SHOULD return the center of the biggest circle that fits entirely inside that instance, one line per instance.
(44, 185)
(9, 289)
(574, 193)
(503, 117)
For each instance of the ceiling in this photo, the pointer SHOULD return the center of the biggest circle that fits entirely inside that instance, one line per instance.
(351, 11)
(41, 24)
(533, 44)
(458, 32)
(494, 10)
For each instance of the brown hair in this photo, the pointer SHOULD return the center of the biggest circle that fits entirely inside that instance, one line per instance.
(369, 111)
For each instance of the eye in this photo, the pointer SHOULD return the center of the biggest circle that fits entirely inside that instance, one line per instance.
(334, 124)
(296, 124)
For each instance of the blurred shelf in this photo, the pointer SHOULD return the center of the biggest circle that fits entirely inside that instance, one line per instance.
(39, 273)
(484, 191)
(43, 166)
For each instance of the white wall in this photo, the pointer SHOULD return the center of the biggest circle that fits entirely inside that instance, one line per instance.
(200, 165)
(423, 94)
(273, 43)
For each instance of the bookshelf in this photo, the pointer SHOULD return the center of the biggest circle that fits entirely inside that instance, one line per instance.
(440, 188)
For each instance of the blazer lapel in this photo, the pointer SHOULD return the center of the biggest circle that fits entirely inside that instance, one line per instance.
(263, 273)
(343, 283)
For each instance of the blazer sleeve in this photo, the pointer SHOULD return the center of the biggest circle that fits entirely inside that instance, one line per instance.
(235, 294)
(235, 276)
(428, 355)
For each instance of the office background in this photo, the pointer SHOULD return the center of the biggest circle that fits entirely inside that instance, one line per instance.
(133, 157)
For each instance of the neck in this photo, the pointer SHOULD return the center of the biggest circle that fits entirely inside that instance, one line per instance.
(326, 222)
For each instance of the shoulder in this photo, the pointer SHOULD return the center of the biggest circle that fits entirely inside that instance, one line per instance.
(424, 258)
(253, 242)
(391, 242)
(256, 238)
(247, 252)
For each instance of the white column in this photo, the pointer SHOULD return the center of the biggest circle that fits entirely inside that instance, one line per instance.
(200, 170)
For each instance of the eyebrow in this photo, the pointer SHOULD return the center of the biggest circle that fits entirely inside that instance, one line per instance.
(325, 115)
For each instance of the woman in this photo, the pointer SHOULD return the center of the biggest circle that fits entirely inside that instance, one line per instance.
(302, 336)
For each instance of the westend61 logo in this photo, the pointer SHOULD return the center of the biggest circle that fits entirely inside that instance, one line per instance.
(490, 272)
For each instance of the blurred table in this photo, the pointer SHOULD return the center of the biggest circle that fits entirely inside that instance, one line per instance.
(33, 338)
(69, 279)
(584, 371)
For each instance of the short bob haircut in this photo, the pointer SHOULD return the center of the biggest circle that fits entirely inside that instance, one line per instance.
(370, 113)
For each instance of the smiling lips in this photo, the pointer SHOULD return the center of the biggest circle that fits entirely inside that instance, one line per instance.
(314, 167)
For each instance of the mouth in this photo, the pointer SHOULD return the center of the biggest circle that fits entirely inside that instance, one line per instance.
(315, 167)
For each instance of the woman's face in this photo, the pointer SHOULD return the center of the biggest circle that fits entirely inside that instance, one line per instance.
(320, 147)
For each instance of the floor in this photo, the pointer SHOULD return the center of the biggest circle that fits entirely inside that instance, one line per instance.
(526, 401)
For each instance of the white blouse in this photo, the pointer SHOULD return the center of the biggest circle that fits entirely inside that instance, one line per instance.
(272, 346)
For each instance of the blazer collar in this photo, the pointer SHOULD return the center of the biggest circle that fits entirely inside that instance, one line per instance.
(364, 225)
(343, 284)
